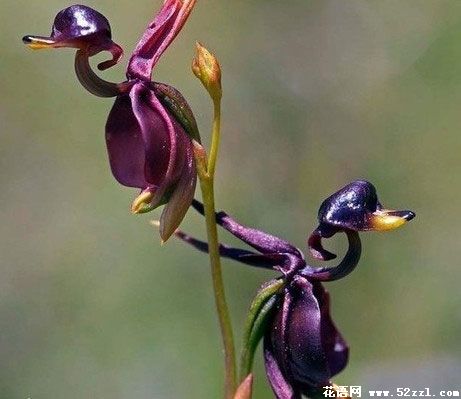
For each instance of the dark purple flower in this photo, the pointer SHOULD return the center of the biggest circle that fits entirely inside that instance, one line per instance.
(303, 349)
(150, 128)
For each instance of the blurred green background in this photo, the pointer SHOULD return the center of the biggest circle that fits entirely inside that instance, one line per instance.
(317, 93)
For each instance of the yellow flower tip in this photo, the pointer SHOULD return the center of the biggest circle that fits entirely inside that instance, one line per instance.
(386, 220)
(141, 204)
(37, 42)
(206, 68)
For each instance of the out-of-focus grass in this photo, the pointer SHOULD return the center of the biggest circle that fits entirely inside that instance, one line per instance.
(317, 93)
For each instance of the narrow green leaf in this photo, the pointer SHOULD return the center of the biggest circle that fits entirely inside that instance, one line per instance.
(258, 316)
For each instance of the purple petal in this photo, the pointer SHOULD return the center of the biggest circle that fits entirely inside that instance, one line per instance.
(316, 249)
(280, 385)
(125, 144)
(159, 133)
(142, 141)
(157, 37)
(279, 332)
(335, 346)
(261, 241)
(266, 261)
(308, 361)
(77, 21)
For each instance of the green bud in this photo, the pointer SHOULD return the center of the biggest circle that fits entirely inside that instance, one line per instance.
(206, 68)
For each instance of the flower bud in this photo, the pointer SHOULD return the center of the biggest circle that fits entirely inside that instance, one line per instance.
(206, 68)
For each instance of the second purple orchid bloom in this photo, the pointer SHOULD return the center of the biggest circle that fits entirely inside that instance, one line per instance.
(303, 349)
(150, 128)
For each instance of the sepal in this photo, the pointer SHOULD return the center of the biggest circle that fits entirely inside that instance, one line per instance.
(174, 102)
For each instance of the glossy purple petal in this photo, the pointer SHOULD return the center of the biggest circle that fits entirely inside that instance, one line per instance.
(78, 21)
(345, 267)
(303, 348)
(142, 141)
(308, 362)
(280, 385)
(157, 129)
(276, 353)
(157, 37)
(279, 332)
(316, 249)
(266, 261)
(261, 241)
(125, 144)
(334, 345)
(350, 207)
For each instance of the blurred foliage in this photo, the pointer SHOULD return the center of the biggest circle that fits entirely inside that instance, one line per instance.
(316, 94)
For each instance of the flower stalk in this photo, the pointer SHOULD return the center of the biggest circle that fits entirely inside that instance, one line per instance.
(211, 79)
(207, 187)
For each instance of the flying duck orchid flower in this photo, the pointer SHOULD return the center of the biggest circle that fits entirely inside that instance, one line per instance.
(353, 208)
(303, 349)
(150, 128)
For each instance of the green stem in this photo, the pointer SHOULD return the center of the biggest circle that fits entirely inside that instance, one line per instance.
(215, 138)
(207, 185)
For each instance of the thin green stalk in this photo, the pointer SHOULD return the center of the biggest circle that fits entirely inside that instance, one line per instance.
(207, 186)
(216, 136)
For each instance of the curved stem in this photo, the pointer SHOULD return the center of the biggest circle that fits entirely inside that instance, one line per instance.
(349, 262)
(92, 82)
(206, 176)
